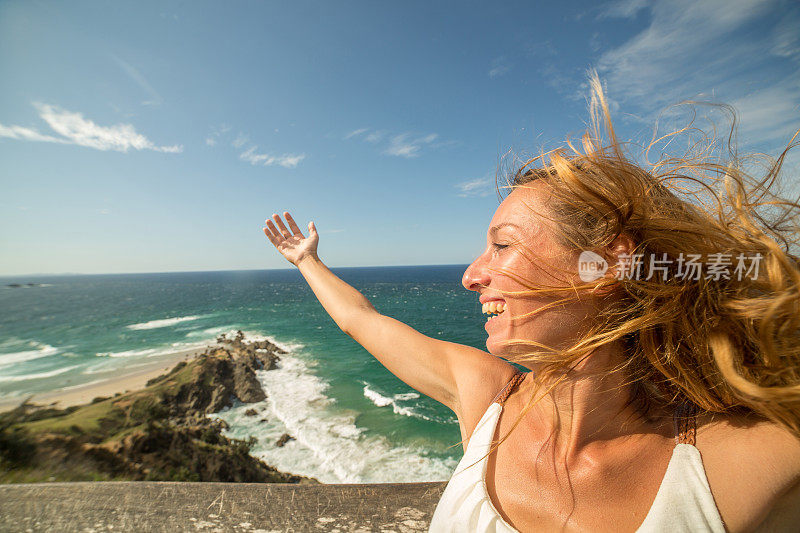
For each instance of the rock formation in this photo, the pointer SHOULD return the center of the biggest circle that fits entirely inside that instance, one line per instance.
(159, 433)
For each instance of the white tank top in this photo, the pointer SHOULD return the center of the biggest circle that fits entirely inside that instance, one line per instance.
(683, 503)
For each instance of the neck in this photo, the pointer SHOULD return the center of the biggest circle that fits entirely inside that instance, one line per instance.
(589, 405)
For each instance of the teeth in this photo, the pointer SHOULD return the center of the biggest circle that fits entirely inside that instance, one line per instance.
(493, 307)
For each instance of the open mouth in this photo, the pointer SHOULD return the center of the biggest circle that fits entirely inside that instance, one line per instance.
(493, 309)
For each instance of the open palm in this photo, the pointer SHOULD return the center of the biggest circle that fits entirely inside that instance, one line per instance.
(291, 244)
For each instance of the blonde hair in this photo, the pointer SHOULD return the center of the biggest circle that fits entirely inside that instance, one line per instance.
(723, 345)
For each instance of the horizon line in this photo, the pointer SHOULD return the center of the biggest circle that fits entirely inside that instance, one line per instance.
(57, 274)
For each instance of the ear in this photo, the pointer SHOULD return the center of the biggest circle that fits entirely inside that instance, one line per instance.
(623, 244)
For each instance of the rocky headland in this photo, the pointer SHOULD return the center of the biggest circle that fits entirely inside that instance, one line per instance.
(158, 433)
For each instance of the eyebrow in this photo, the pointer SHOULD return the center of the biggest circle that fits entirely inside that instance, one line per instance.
(496, 228)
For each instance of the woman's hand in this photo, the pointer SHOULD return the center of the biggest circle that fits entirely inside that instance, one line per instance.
(292, 245)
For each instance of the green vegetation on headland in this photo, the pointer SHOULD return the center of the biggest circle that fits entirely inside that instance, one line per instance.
(159, 433)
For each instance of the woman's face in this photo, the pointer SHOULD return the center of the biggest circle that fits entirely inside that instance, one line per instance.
(548, 263)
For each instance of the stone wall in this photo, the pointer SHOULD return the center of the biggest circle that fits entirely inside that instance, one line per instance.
(243, 507)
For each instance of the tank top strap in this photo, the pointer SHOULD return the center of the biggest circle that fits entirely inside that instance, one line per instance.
(506, 391)
(685, 423)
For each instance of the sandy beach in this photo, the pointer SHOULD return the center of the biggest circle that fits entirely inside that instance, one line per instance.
(108, 385)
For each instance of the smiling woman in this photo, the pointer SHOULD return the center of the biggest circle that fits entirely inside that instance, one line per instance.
(676, 355)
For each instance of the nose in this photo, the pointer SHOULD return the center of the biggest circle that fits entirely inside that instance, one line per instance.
(476, 276)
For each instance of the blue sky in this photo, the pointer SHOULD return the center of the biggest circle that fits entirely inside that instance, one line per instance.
(157, 136)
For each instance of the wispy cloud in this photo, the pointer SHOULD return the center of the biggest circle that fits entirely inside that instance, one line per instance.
(27, 134)
(251, 154)
(375, 136)
(477, 187)
(771, 113)
(622, 9)
(406, 145)
(355, 133)
(499, 67)
(216, 133)
(365, 134)
(710, 51)
(73, 128)
(285, 160)
(786, 38)
(141, 81)
(240, 140)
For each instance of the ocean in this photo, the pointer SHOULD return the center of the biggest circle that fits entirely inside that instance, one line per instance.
(351, 419)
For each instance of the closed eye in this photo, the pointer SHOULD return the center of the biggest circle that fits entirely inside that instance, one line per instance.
(499, 246)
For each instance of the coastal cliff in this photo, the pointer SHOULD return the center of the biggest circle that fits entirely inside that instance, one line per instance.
(158, 433)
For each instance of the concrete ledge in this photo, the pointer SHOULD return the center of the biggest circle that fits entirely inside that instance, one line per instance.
(167, 506)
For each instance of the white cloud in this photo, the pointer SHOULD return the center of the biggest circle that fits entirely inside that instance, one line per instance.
(240, 140)
(216, 133)
(401, 145)
(251, 155)
(404, 146)
(500, 66)
(285, 160)
(375, 137)
(477, 187)
(786, 38)
(73, 128)
(772, 113)
(355, 133)
(27, 134)
(718, 50)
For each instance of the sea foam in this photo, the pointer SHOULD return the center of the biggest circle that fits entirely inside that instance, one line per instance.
(39, 350)
(40, 375)
(327, 445)
(157, 350)
(163, 322)
(380, 400)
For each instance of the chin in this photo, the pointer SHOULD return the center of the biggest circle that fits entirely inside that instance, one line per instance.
(495, 348)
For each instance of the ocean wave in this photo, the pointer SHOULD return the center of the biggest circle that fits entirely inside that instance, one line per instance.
(40, 375)
(327, 445)
(129, 353)
(164, 322)
(380, 400)
(211, 332)
(39, 350)
(155, 351)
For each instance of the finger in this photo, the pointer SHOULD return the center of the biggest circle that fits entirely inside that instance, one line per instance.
(292, 224)
(279, 222)
(275, 233)
(311, 227)
(269, 235)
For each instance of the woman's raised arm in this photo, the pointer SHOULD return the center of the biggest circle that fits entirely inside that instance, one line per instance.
(436, 368)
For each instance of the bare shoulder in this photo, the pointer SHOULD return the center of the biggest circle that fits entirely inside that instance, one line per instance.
(477, 384)
(752, 465)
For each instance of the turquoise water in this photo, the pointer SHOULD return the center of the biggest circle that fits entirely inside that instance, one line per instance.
(352, 420)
